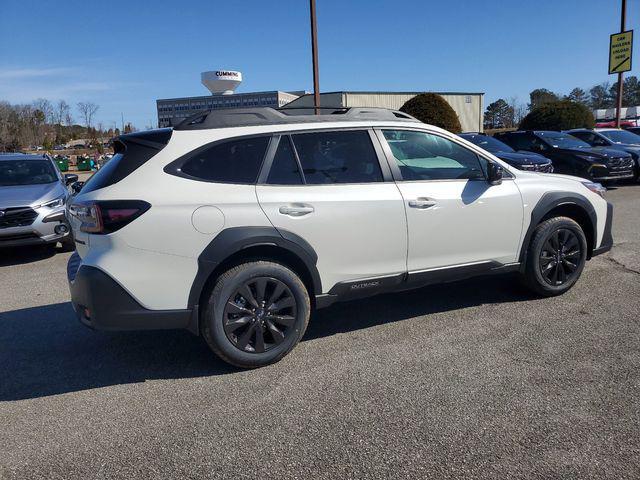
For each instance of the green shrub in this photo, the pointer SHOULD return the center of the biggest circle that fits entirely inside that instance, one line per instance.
(560, 115)
(431, 108)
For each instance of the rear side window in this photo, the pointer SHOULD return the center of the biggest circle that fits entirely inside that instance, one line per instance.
(519, 141)
(337, 157)
(236, 161)
(284, 169)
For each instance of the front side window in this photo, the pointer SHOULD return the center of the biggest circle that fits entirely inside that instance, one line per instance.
(236, 161)
(337, 157)
(591, 138)
(26, 172)
(519, 141)
(424, 156)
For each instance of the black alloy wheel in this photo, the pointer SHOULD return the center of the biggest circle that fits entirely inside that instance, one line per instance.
(560, 257)
(259, 314)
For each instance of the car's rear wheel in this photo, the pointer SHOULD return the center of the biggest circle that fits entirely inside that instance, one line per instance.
(256, 314)
(556, 256)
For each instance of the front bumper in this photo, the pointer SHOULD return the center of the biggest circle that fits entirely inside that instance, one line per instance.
(622, 176)
(37, 230)
(607, 237)
(616, 169)
(103, 304)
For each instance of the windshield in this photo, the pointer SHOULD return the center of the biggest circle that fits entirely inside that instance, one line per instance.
(621, 136)
(26, 172)
(490, 144)
(562, 140)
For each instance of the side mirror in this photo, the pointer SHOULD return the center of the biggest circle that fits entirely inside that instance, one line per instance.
(76, 187)
(70, 178)
(494, 173)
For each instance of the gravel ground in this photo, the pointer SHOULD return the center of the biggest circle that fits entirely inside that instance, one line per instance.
(469, 380)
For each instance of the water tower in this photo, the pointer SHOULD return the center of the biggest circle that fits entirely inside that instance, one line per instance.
(221, 82)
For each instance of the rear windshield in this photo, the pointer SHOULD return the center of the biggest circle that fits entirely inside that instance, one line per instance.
(621, 136)
(562, 140)
(26, 172)
(490, 144)
(131, 152)
(101, 178)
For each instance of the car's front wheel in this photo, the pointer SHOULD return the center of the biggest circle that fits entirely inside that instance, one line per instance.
(256, 314)
(556, 256)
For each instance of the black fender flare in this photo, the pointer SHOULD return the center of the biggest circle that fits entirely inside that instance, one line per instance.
(233, 240)
(548, 202)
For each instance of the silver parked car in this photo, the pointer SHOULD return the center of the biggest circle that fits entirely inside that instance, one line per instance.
(33, 195)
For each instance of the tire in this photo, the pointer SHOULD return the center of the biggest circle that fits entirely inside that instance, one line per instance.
(542, 274)
(234, 320)
(68, 244)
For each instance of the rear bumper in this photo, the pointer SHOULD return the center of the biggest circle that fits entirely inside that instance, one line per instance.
(607, 238)
(101, 303)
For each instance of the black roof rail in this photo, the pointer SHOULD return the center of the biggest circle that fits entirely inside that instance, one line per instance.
(245, 117)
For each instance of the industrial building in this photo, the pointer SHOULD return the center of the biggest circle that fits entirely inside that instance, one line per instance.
(222, 85)
(468, 106)
(172, 111)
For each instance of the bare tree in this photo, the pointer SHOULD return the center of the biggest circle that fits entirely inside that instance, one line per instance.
(87, 111)
(519, 110)
(62, 113)
(44, 105)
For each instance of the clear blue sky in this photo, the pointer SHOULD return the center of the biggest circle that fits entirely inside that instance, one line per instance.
(123, 55)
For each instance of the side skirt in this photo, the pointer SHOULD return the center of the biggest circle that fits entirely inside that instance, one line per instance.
(369, 287)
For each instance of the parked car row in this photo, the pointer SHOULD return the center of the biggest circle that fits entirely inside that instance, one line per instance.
(602, 155)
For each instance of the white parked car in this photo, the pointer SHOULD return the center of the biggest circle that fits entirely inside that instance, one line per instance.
(237, 223)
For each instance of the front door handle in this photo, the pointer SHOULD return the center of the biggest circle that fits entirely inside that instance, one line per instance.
(422, 203)
(296, 210)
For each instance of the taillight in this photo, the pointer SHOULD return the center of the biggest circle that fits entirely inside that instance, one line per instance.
(107, 216)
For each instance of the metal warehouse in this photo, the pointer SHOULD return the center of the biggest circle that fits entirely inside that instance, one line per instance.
(223, 83)
(468, 106)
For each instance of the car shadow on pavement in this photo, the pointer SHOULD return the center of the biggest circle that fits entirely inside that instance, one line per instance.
(394, 307)
(21, 255)
(46, 351)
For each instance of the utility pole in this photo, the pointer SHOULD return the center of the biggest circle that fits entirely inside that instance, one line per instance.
(623, 16)
(122, 118)
(314, 53)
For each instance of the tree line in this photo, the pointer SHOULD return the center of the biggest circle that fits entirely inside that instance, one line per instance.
(509, 113)
(45, 123)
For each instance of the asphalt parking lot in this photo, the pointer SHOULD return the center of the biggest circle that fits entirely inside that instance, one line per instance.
(469, 380)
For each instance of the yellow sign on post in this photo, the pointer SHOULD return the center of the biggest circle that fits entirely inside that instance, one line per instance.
(620, 46)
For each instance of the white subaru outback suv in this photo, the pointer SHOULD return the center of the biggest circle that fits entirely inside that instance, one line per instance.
(237, 223)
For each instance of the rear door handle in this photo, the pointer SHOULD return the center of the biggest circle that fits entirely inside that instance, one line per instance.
(422, 203)
(296, 210)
